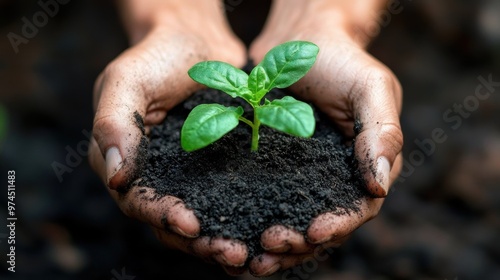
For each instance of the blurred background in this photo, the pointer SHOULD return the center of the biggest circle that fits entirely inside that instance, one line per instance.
(440, 221)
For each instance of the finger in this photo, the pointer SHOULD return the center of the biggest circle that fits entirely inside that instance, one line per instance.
(280, 239)
(376, 99)
(396, 167)
(229, 253)
(331, 227)
(163, 212)
(265, 264)
(118, 124)
(173, 241)
(269, 263)
(96, 160)
(155, 116)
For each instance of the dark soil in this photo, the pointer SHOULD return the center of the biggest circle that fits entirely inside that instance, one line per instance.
(236, 193)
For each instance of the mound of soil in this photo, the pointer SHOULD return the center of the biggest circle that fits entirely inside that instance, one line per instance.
(236, 193)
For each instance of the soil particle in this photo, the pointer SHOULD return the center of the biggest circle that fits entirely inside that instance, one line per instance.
(238, 194)
(358, 126)
(139, 122)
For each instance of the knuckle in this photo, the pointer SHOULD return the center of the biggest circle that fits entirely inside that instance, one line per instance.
(373, 81)
(126, 78)
(127, 72)
(105, 126)
(376, 76)
(393, 135)
(121, 67)
(102, 122)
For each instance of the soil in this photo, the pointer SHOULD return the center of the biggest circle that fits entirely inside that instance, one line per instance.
(236, 193)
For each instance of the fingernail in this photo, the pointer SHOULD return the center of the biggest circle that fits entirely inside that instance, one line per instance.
(270, 271)
(383, 171)
(222, 260)
(181, 232)
(113, 162)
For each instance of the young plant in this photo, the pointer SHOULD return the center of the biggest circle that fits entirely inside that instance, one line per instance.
(281, 67)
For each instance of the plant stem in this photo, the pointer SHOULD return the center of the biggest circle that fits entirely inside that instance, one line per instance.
(245, 120)
(255, 133)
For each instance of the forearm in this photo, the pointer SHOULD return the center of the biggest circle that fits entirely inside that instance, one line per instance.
(140, 16)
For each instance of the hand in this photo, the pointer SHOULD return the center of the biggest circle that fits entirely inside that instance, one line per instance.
(350, 86)
(141, 85)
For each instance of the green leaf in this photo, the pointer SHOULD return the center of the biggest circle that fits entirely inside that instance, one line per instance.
(207, 123)
(288, 115)
(246, 94)
(287, 63)
(221, 76)
(257, 79)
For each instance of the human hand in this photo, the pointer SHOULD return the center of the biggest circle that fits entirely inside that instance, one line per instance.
(349, 85)
(139, 88)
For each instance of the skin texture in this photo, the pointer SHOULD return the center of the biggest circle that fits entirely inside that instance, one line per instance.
(348, 84)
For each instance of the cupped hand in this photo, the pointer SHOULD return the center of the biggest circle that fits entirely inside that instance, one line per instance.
(139, 88)
(351, 87)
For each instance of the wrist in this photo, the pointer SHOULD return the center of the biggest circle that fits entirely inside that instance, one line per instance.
(353, 20)
(364, 21)
(140, 17)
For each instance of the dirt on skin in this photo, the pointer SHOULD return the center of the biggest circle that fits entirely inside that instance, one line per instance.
(238, 194)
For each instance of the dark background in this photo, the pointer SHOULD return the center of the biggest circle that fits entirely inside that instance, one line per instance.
(442, 222)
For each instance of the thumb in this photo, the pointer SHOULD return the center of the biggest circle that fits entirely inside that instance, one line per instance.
(379, 140)
(118, 127)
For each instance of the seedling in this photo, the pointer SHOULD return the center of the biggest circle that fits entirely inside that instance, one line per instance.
(281, 67)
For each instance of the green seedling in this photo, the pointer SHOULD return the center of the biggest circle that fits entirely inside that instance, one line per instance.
(281, 67)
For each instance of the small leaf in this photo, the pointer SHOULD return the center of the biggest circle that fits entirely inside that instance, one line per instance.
(206, 124)
(221, 76)
(246, 94)
(287, 63)
(257, 79)
(288, 115)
